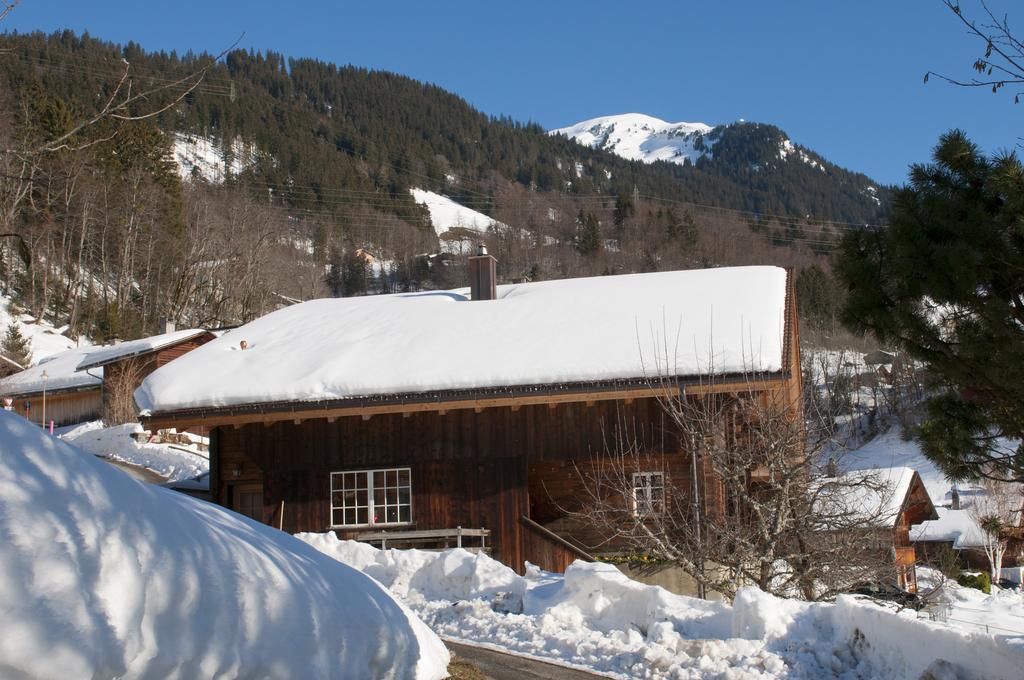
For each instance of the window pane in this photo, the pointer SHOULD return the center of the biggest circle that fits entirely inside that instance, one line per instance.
(350, 517)
(337, 518)
(378, 478)
(403, 514)
(361, 516)
(392, 514)
(404, 495)
(393, 496)
(361, 497)
(378, 496)
(403, 477)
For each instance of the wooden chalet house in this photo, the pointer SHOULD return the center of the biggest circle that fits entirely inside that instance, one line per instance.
(55, 390)
(77, 385)
(123, 366)
(890, 502)
(436, 410)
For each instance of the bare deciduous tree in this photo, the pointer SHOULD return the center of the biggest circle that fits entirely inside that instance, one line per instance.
(760, 503)
(1002, 62)
(996, 509)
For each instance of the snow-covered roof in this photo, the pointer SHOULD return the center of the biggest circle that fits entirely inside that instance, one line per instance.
(109, 354)
(956, 526)
(61, 374)
(874, 495)
(727, 320)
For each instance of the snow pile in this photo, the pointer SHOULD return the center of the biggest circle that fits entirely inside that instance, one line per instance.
(175, 463)
(102, 576)
(594, 617)
(548, 332)
(61, 373)
(45, 339)
(639, 137)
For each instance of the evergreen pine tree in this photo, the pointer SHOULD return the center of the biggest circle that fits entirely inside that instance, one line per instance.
(16, 346)
(943, 282)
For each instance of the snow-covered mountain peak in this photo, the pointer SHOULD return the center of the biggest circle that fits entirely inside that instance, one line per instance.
(640, 137)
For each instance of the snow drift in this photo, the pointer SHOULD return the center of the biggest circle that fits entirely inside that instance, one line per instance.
(595, 617)
(103, 576)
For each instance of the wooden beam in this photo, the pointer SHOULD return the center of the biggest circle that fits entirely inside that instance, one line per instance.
(332, 419)
(214, 419)
(591, 403)
(552, 406)
(478, 409)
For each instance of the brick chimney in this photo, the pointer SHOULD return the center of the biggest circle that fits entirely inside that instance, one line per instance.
(483, 275)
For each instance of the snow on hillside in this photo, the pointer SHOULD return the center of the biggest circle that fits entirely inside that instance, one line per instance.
(891, 449)
(446, 214)
(594, 617)
(173, 462)
(195, 154)
(46, 340)
(641, 138)
(102, 576)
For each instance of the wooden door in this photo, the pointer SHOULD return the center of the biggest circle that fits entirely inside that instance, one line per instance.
(247, 499)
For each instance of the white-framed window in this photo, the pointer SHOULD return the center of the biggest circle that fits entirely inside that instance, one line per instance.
(648, 493)
(371, 497)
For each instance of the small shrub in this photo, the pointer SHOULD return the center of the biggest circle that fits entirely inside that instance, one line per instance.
(980, 581)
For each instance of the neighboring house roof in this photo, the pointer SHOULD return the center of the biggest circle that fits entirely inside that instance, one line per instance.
(723, 321)
(874, 495)
(62, 374)
(132, 348)
(956, 526)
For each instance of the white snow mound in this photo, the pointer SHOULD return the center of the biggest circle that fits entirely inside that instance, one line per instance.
(102, 576)
(594, 617)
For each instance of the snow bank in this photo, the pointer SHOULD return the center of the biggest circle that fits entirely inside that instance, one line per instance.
(535, 333)
(175, 463)
(103, 576)
(901, 646)
(594, 617)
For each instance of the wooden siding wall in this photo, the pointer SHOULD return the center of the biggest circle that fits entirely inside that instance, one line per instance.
(468, 469)
(64, 408)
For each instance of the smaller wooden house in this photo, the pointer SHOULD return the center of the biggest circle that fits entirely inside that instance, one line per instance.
(86, 383)
(125, 365)
(891, 500)
(55, 390)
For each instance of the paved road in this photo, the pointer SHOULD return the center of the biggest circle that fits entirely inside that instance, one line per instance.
(136, 471)
(498, 666)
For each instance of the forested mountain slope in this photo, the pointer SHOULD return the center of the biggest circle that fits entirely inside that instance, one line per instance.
(317, 163)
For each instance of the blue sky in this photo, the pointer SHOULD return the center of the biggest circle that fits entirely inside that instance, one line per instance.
(843, 78)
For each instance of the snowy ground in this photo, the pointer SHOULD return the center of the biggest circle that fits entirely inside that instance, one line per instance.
(595, 618)
(172, 462)
(1001, 612)
(102, 576)
(46, 340)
